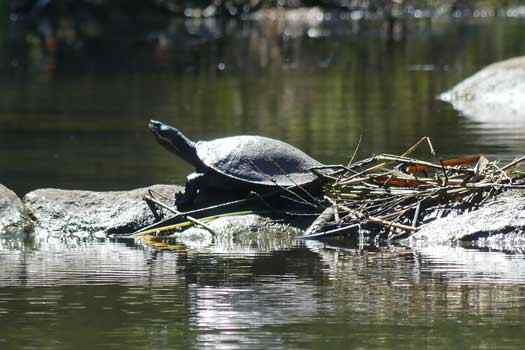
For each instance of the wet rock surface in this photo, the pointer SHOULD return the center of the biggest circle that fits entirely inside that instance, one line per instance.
(500, 222)
(14, 217)
(244, 233)
(87, 214)
(493, 94)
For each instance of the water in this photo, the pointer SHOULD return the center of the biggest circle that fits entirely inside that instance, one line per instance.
(83, 123)
(75, 116)
(303, 296)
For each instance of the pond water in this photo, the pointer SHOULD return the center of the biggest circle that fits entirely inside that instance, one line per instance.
(73, 114)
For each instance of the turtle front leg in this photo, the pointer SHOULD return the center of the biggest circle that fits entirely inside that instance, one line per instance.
(194, 183)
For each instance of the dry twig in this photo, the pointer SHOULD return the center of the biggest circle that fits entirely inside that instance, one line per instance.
(395, 195)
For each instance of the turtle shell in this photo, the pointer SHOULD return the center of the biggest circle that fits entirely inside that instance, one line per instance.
(258, 160)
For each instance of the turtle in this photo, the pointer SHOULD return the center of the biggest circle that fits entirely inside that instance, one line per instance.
(238, 163)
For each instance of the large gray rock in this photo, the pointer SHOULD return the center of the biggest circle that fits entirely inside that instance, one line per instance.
(88, 214)
(495, 94)
(501, 221)
(14, 217)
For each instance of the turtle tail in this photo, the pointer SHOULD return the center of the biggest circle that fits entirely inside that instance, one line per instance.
(175, 142)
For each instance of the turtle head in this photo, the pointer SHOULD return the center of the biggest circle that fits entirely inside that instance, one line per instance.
(175, 141)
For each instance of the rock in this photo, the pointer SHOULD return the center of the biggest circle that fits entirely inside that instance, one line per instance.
(14, 217)
(494, 94)
(88, 214)
(241, 234)
(501, 221)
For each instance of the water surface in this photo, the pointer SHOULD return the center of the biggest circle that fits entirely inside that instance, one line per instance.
(82, 122)
(75, 116)
(303, 296)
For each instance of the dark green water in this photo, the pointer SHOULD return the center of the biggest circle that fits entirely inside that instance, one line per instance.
(75, 116)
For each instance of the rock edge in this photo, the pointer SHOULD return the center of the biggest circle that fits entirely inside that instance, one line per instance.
(15, 219)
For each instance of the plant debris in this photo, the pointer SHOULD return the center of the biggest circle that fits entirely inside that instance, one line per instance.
(393, 195)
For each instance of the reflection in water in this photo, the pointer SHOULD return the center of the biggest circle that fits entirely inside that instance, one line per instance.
(89, 295)
(111, 295)
(82, 263)
(472, 266)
